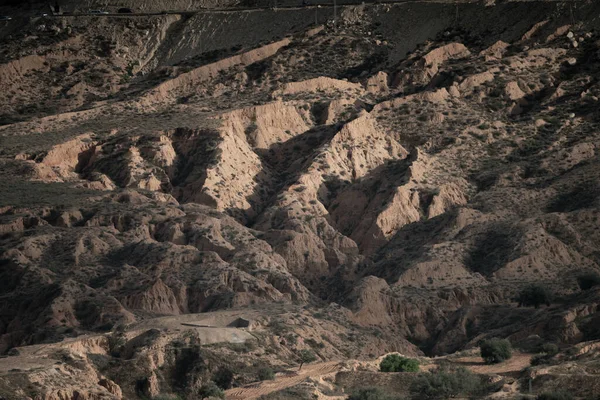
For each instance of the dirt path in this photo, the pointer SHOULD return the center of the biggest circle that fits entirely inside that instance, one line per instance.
(292, 378)
(517, 363)
(476, 364)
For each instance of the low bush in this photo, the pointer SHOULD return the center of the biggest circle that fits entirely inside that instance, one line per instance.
(446, 384)
(266, 374)
(549, 348)
(397, 363)
(211, 390)
(495, 350)
(535, 295)
(539, 359)
(546, 352)
(223, 378)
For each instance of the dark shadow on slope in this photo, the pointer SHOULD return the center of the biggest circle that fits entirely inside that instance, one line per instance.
(531, 148)
(580, 197)
(284, 161)
(372, 64)
(377, 187)
(34, 304)
(410, 244)
(258, 70)
(295, 151)
(193, 146)
(493, 249)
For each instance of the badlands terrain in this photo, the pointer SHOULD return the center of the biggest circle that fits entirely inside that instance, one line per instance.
(186, 192)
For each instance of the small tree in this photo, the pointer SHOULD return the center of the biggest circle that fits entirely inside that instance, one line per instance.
(396, 363)
(306, 356)
(371, 394)
(588, 280)
(535, 295)
(211, 390)
(223, 378)
(495, 350)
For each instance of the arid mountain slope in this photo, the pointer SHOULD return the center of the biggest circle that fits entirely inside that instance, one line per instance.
(389, 183)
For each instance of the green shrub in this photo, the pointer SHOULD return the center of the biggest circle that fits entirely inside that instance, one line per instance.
(534, 295)
(539, 359)
(446, 384)
(211, 390)
(547, 351)
(371, 394)
(292, 338)
(266, 374)
(223, 378)
(246, 347)
(559, 395)
(549, 348)
(396, 363)
(588, 280)
(495, 350)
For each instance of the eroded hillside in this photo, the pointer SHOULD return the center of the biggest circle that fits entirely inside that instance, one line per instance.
(388, 183)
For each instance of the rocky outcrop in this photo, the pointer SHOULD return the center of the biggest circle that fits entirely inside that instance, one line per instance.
(533, 31)
(437, 97)
(378, 83)
(473, 81)
(442, 54)
(157, 298)
(264, 126)
(450, 195)
(513, 91)
(428, 65)
(495, 51)
(111, 387)
(320, 84)
(185, 83)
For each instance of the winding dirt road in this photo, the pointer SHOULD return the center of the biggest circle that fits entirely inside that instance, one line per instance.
(286, 380)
